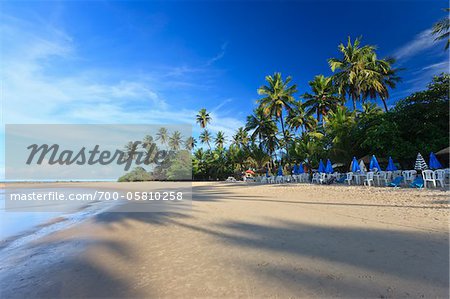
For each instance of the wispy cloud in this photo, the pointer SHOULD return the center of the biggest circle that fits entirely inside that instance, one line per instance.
(422, 41)
(219, 55)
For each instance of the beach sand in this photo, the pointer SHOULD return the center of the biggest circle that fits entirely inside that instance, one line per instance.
(247, 241)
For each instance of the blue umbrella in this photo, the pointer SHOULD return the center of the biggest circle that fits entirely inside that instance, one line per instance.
(294, 170)
(434, 162)
(321, 166)
(391, 166)
(300, 169)
(355, 165)
(329, 167)
(267, 173)
(374, 163)
(280, 171)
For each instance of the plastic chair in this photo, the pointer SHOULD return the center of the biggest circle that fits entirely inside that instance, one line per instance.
(428, 176)
(316, 178)
(440, 177)
(349, 178)
(369, 179)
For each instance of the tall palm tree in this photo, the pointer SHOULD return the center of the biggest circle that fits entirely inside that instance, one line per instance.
(383, 78)
(205, 137)
(260, 124)
(323, 98)
(352, 69)
(147, 141)
(297, 116)
(278, 96)
(131, 149)
(442, 29)
(241, 139)
(203, 118)
(190, 143)
(220, 139)
(162, 135)
(175, 141)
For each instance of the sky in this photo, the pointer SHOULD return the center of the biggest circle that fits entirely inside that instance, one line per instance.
(137, 62)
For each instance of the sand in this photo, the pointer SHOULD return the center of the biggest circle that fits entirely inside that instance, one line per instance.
(248, 241)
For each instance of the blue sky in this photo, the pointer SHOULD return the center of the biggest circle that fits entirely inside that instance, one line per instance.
(160, 62)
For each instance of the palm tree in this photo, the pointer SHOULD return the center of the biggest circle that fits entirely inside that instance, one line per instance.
(352, 69)
(220, 139)
(205, 137)
(383, 78)
(241, 139)
(175, 141)
(147, 141)
(162, 135)
(297, 117)
(323, 98)
(190, 143)
(131, 149)
(442, 30)
(260, 124)
(203, 118)
(278, 96)
(371, 109)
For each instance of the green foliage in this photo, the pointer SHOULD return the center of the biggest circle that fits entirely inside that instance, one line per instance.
(180, 168)
(138, 174)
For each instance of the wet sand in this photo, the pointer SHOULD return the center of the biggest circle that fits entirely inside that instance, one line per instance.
(247, 241)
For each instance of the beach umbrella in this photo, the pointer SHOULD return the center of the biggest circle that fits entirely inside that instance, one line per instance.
(374, 163)
(280, 171)
(434, 162)
(321, 166)
(250, 171)
(355, 165)
(300, 169)
(420, 163)
(362, 166)
(391, 166)
(329, 167)
(267, 174)
(294, 169)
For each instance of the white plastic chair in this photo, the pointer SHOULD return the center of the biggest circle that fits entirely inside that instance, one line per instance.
(428, 176)
(409, 175)
(349, 178)
(322, 178)
(369, 178)
(279, 179)
(440, 177)
(316, 178)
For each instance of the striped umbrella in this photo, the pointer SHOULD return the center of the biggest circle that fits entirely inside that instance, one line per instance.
(420, 163)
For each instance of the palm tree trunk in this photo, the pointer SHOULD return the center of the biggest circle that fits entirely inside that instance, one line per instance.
(284, 135)
(385, 105)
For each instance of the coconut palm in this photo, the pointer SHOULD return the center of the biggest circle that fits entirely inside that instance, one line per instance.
(205, 137)
(190, 143)
(278, 96)
(352, 69)
(371, 109)
(147, 142)
(323, 98)
(260, 124)
(203, 118)
(175, 141)
(442, 30)
(162, 135)
(383, 78)
(241, 139)
(220, 139)
(131, 149)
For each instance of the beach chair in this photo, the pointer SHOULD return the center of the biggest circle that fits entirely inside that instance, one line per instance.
(428, 176)
(440, 177)
(396, 182)
(369, 179)
(341, 180)
(409, 175)
(322, 178)
(316, 178)
(417, 183)
(349, 178)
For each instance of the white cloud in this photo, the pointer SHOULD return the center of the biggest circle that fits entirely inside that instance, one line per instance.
(422, 41)
(219, 55)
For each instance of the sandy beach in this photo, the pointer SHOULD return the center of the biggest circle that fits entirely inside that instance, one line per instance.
(246, 241)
